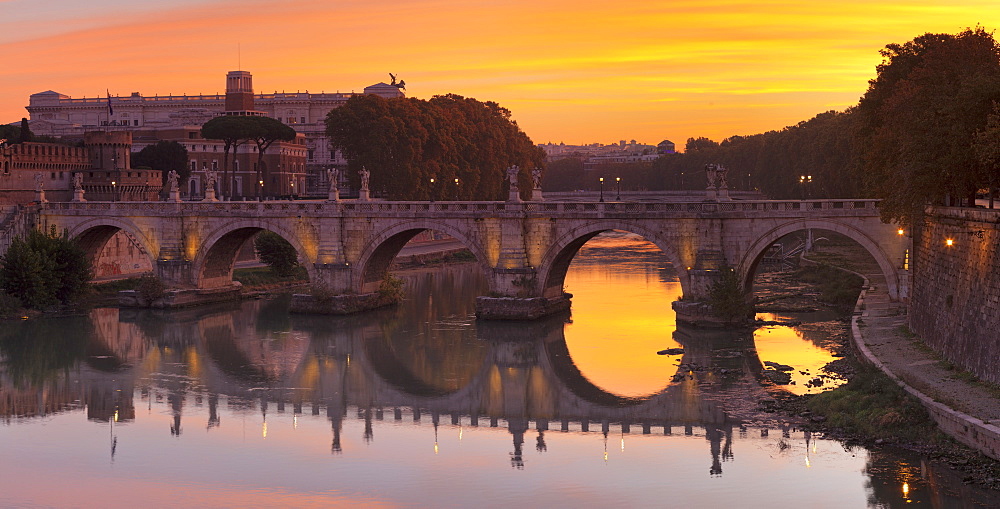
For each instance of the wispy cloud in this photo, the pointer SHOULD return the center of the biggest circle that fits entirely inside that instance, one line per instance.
(576, 71)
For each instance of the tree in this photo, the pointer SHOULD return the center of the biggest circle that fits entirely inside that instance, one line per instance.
(10, 133)
(43, 269)
(25, 134)
(263, 132)
(233, 130)
(699, 144)
(919, 118)
(164, 156)
(276, 252)
(987, 144)
(405, 143)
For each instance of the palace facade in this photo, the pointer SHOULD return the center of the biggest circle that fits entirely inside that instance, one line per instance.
(55, 114)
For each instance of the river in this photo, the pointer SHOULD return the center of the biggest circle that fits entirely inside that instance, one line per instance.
(420, 405)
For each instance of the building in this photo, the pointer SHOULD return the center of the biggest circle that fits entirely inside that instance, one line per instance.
(55, 114)
(103, 163)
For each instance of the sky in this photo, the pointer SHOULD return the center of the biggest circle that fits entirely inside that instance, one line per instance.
(577, 72)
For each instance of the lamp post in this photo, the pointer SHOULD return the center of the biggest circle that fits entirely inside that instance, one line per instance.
(114, 190)
(456, 189)
(432, 190)
(260, 190)
(804, 180)
(602, 189)
(618, 189)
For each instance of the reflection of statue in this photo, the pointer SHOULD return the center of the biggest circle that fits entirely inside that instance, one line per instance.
(78, 182)
(512, 177)
(536, 178)
(172, 180)
(38, 182)
(365, 174)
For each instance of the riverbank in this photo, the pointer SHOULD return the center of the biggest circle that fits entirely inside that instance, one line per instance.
(891, 409)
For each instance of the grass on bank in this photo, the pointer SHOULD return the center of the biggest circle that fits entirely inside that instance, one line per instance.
(873, 405)
(264, 276)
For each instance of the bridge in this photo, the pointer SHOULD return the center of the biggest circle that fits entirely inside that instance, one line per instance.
(523, 248)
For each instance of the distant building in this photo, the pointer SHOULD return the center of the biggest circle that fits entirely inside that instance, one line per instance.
(666, 147)
(55, 114)
(104, 163)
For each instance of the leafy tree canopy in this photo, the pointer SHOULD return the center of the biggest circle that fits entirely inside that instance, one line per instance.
(918, 123)
(164, 156)
(406, 142)
(276, 252)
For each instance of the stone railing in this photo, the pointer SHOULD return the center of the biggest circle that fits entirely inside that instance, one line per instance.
(473, 208)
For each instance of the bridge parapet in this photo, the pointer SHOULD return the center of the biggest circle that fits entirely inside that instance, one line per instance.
(476, 208)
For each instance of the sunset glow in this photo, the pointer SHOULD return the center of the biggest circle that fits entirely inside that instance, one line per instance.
(577, 72)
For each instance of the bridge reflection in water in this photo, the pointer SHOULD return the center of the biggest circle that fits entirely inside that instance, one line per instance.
(426, 363)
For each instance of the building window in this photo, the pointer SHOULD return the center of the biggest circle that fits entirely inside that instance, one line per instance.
(194, 165)
(303, 120)
(135, 122)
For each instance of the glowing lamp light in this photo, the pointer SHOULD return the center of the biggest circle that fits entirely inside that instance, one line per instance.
(900, 231)
(949, 242)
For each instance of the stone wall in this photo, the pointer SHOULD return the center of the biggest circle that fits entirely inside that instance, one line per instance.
(955, 301)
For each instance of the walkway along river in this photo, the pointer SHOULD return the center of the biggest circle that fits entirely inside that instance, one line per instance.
(421, 405)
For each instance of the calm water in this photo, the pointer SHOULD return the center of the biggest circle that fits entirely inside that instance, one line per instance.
(246, 405)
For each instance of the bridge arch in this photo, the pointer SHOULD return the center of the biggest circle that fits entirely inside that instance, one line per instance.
(556, 260)
(754, 254)
(92, 235)
(379, 252)
(213, 262)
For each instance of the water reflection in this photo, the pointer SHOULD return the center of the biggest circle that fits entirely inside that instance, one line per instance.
(417, 403)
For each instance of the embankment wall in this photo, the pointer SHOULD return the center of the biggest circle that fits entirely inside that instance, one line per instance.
(955, 300)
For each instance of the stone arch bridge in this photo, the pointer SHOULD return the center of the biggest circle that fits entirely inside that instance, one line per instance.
(524, 249)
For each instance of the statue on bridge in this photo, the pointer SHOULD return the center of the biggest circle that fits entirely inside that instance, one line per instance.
(718, 187)
(211, 177)
(173, 192)
(333, 178)
(364, 193)
(78, 187)
(512, 176)
(39, 191)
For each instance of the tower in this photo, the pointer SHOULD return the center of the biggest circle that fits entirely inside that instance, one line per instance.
(239, 91)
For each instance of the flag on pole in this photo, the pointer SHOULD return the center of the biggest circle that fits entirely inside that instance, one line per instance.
(110, 110)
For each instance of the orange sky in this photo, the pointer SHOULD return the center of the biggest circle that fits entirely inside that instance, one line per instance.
(572, 71)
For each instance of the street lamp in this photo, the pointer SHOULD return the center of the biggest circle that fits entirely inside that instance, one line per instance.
(293, 190)
(260, 190)
(432, 190)
(114, 191)
(618, 185)
(602, 189)
(456, 189)
(803, 181)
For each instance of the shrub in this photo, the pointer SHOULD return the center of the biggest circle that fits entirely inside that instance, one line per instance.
(391, 287)
(10, 306)
(44, 269)
(728, 298)
(150, 288)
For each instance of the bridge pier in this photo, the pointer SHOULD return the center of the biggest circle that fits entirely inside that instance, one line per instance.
(516, 296)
